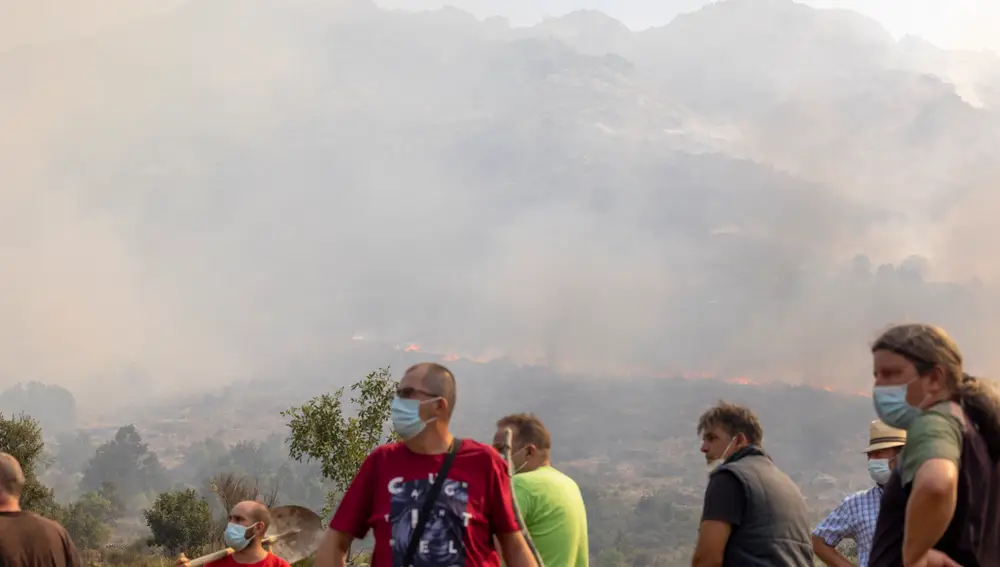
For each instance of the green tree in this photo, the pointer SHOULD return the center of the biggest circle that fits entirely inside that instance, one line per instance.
(179, 521)
(88, 520)
(21, 437)
(115, 508)
(129, 463)
(320, 431)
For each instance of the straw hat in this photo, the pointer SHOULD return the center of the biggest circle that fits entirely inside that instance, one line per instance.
(881, 436)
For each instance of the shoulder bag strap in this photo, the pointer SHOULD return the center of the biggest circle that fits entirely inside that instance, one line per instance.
(425, 512)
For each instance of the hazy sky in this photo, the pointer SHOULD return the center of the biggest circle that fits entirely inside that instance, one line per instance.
(139, 201)
(949, 23)
(971, 24)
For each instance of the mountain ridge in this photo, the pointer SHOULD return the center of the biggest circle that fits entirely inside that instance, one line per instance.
(273, 165)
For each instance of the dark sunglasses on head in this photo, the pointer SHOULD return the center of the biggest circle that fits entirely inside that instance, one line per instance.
(410, 393)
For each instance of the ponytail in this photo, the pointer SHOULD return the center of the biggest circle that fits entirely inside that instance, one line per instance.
(981, 403)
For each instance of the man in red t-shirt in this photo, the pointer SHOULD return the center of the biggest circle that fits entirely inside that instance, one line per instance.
(389, 491)
(247, 516)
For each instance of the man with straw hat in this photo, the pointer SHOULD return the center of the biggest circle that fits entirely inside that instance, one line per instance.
(856, 516)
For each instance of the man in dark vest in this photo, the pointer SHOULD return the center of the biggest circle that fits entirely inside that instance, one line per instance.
(754, 515)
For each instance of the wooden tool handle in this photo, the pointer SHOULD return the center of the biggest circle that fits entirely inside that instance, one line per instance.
(211, 557)
(273, 538)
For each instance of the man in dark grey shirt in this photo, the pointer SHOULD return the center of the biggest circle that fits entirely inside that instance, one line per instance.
(753, 515)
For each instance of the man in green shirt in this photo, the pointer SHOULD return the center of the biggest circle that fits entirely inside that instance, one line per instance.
(550, 502)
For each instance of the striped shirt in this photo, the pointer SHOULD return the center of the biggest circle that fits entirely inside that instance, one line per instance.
(854, 519)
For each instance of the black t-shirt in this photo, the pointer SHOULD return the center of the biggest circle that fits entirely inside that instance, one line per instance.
(725, 499)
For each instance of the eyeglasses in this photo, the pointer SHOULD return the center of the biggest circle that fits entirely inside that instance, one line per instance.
(410, 393)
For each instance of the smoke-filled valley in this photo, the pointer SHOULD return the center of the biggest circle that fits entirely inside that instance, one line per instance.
(220, 212)
(630, 444)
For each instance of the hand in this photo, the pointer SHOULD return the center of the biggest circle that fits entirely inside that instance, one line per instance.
(934, 558)
(182, 561)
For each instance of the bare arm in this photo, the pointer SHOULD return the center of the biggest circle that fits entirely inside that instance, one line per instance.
(515, 550)
(711, 547)
(829, 554)
(930, 508)
(333, 549)
(831, 531)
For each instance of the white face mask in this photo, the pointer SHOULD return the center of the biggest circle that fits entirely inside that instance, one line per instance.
(712, 465)
(518, 469)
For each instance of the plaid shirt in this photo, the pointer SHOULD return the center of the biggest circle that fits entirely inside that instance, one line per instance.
(855, 519)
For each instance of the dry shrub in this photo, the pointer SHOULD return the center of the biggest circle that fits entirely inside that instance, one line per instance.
(231, 490)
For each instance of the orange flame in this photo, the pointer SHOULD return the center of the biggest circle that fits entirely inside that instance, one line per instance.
(743, 380)
(630, 372)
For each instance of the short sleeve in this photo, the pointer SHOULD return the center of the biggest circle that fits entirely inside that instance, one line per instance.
(72, 555)
(932, 436)
(838, 525)
(501, 515)
(725, 499)
(355, 508)
(525, 499)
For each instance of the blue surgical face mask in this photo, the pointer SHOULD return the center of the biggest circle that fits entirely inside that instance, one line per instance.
(406, 417)
(891, 406)
(236, 536)
(879, 470)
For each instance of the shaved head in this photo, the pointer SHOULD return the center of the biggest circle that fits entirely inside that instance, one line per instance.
(251, 512)
(437, 380)
(11, 477)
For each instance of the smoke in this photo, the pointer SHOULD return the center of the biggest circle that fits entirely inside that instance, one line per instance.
(51, 20)
(76, 306)
(222, 189)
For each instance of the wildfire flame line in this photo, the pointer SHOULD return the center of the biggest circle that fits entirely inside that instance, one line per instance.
(744, 381)
(640, 373)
